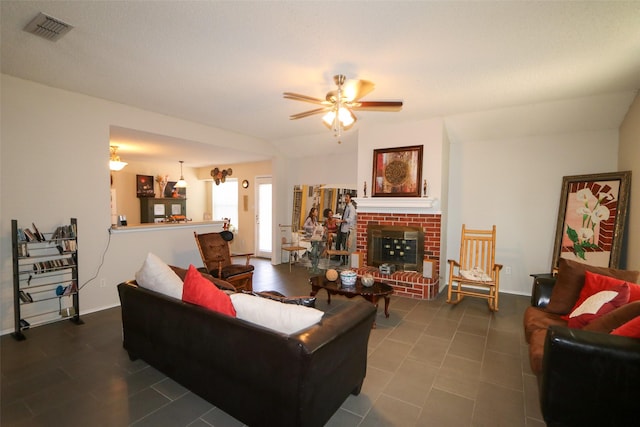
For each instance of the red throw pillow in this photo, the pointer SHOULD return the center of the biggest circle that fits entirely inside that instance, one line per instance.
(629, 329)
(598, 304)
(594, 283)
(634, 291)
(200, 291)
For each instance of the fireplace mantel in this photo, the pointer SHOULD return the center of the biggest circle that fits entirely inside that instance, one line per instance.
(422, 205)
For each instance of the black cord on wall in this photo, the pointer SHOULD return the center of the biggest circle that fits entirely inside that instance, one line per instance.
(101, 261)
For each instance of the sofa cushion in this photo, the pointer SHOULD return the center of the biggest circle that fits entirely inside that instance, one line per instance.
(200, 291)
(598, 304)
(159, 277)
(536, 350)
(536, 318)
(615, 318)
(476, 274)
(629, 329)
(285, 318)
(571, 278)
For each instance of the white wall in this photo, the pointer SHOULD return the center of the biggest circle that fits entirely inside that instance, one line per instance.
(515, 184)
(629, 159)
(54, 165)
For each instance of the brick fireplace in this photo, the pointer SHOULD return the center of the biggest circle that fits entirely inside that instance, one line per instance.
(405, 283)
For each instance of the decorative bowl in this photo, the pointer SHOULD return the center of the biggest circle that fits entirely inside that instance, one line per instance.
(331, 275)
(348, 277)
(367, 280)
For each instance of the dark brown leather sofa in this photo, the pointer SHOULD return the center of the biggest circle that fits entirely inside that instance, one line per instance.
(260, 377)
(585, 377)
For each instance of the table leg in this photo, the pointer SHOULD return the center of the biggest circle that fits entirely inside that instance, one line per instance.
(386, 306)
(373, 300)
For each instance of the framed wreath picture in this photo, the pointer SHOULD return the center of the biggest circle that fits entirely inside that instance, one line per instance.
(397, 172)
(591, 218)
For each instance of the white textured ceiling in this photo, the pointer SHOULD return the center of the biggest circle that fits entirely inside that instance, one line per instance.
(226, 64)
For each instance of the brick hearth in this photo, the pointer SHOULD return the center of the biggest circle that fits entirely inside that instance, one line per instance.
(408, 284)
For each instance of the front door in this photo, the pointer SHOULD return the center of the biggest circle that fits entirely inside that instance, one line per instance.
(263, 217)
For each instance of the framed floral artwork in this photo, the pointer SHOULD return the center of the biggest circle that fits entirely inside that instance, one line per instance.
(397, 172)
(591, 218)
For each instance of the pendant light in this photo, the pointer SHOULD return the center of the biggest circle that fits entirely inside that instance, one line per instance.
(181, 183)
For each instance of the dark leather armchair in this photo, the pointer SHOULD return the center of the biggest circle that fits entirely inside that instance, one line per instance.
(216, 256)
(589, 379)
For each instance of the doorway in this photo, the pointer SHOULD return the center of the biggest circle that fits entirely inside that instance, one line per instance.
(264, 223)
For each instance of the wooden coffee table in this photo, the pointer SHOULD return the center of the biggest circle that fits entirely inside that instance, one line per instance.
(371, 294)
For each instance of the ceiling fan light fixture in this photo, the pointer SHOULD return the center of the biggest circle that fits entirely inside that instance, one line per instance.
(345, 118)
(181, 182)
(338, 105)
(114, 161)
(328, 118)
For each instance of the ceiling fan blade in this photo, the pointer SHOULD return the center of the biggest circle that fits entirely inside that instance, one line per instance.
(304, 98)
(377, 106)
(308, 113)
(356, 89)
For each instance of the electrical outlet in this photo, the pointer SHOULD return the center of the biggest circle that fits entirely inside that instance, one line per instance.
(103, 283)
(507, 270)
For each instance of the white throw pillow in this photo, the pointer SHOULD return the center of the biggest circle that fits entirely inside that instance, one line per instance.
(285, 318)
(158, 276)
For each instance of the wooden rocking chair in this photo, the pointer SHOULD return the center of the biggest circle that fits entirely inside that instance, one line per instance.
(216, 256)
(477, 273)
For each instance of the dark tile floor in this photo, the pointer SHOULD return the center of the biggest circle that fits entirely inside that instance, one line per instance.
(430, 364)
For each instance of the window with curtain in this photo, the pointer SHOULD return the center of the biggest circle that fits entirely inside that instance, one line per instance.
(225, 201)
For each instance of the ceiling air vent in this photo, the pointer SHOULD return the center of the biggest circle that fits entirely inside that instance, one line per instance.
(48, 27)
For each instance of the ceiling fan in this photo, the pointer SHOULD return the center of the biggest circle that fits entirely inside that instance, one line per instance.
(339, 105)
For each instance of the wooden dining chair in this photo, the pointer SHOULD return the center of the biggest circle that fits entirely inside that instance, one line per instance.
(346, 252)
(475, 273)
(292, 247)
